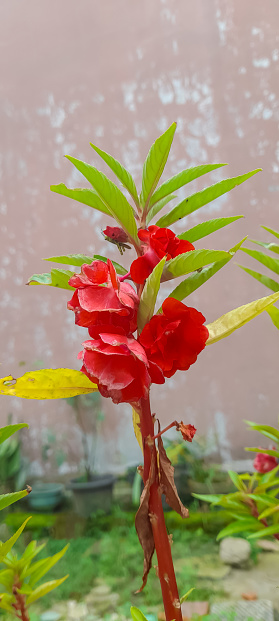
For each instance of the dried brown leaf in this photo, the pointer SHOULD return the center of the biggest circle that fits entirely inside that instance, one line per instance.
(144, 528)
(167, 484)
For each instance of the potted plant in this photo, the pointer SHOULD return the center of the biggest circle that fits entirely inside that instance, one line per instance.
(91, 491)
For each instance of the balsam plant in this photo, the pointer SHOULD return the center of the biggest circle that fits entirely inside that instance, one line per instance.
(131, 344)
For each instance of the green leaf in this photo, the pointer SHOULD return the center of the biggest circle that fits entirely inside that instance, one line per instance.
(158, 206)
(7, 546)
(275, 233)
(267, 512)
(155, 164)
(198, 278)
(8, 499)
(137, 615)
(272, 264)
(31, 551)
(185, 597)
(269, 476)
(257, 449)
(115, 202)
(265, 280)
(47, 384)
(238, 527)
(122, 174)
(269, 530)
(264, 498)
(79, 259)
(43, 589)
(206, 228)
(237, 481)
(56, 278)
(191, 261)
(274, 315)
(212, 498)
(181, 179)
(272, 247)
(40, 568)
(149, 294)
(266, 430)
(231, 321)
(199, 199)
(9, 430)
(7, 578)
(82, 195)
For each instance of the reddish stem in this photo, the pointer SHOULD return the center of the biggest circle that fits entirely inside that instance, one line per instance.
(174, 424)
(161, 539)
(19, 605)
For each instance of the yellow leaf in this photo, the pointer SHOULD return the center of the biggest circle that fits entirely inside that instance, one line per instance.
(47, 384)
(136, 425)
(228, 323)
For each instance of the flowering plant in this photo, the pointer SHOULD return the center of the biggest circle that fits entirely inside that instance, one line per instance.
(131, 345)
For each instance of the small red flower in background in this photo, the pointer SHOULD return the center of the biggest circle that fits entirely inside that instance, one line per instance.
(157, 243)
(118, 365)
(264, 463)
(116, 234)
(101, 298)
(174, 339)
(188, 431)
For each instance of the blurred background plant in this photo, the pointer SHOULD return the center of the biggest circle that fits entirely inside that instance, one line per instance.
(89, 416)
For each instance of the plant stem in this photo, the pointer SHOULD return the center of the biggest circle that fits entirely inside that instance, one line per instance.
(161, 539)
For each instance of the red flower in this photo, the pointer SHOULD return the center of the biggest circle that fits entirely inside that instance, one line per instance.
(188, 431)
(156, 243)
(174, 339)
(119, 365)
(116, 234)
(264, 463)
(101, 298)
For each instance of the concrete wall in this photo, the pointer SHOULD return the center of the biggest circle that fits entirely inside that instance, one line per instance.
(118, 74)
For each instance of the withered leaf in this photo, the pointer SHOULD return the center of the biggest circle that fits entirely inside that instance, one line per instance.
(167, 484)
(144, 528)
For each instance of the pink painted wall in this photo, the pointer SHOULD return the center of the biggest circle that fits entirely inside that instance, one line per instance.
(118, 74)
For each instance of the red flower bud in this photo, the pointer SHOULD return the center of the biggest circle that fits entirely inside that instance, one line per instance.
(156, 243)
(116, 234)
(264, 463)
(100, 298)
(119, 366)
(174, 339)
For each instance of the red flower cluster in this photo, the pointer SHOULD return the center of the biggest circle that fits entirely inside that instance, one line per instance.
(264, 462)
(156, 244)
(174, 339)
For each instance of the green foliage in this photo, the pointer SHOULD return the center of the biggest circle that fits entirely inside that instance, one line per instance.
(122, 174)
(155, 164)
(206, 228)
(181, 179)
(56, 278)
(149, 295)
(191, 261)
(79, 259)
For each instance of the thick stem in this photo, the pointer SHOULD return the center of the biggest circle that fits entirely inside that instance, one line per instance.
(161, 539)
(19, 605)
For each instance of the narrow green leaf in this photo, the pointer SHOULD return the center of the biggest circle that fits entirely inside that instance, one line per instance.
(155, 164)
(149, 294)
(43, 589)
(8, 499)
(238, 527)
(122, 174)
(274, 315)
(7, 578)
(181, 179)
(79, 259)
(275, 233)
(55, 278)
(42, 567)
(272, 264)
(158, 206)
(115, 202)
(7, 546)
(267, 430)
(257, 449)
(265, 280)
(272, 247)
(266, 532)
(212, 498)
(9, 430)
(199, 199)
(267, 512)
(231, 321)
(137, 615)
(198, 278)
(185, 597)
(269, 476)
(206, 228)
(191, 261)
(5, 601)
(239, 484)
(31, 551)
(47, 384)
(266, 499)
(82, 195)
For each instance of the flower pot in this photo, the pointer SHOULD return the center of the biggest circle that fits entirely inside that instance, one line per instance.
(94, 495)
(46, 496)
